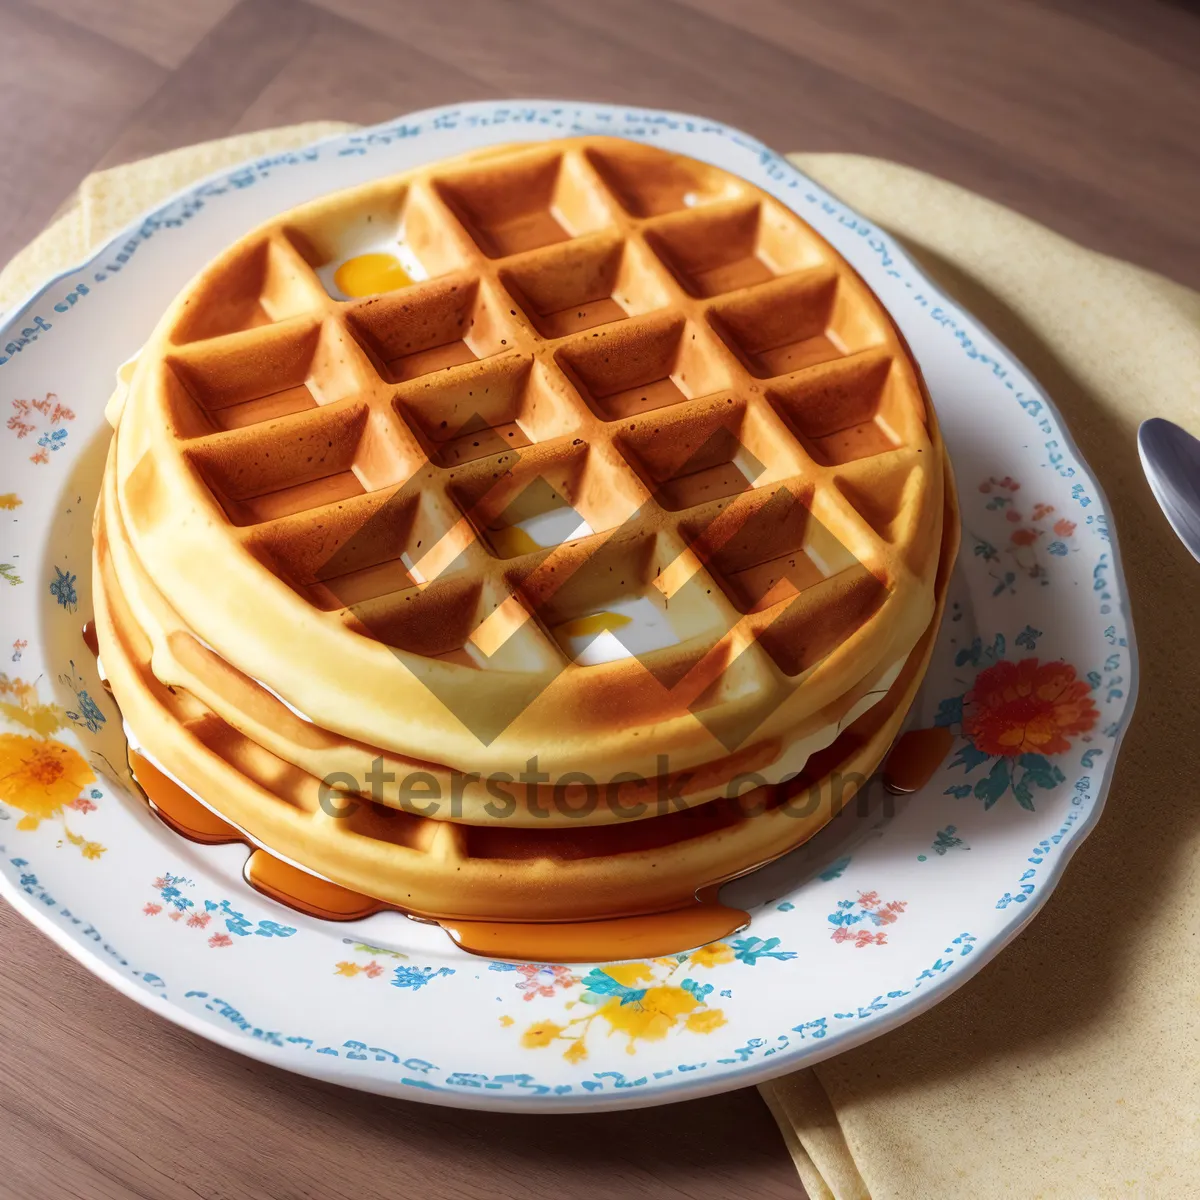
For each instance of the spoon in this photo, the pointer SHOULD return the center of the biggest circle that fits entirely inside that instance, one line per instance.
(1171, 459)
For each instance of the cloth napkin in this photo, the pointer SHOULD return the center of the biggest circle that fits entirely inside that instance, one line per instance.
(1070, 1067)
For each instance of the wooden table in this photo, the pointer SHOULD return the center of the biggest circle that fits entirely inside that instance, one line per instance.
(1084, 114)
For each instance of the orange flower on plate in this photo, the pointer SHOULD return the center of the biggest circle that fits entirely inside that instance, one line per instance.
(40, 776)
(1027, 707)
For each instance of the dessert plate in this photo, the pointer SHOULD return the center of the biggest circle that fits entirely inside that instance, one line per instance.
(891, 907)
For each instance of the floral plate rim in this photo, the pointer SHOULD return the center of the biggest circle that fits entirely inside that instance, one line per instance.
(751, 1070)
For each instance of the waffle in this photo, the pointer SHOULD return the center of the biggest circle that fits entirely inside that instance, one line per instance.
(265, 719)
(447, 869)
(333, 497)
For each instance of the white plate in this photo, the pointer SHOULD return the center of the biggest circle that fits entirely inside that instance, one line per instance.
(872, 922)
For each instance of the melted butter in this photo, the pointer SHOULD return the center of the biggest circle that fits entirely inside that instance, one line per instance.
(592, 639)
(594, 623)
(370, 274)
(511, 541)
(542, 531)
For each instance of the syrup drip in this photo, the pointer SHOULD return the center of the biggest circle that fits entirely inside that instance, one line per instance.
(577, 941)
(182, 812)
(650, 936)
(93, 644)
(178, 808)
(309, 894)
(915, 758)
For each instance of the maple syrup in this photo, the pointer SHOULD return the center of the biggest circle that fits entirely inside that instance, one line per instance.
(178, 808)
(650, 936)
(306, 892)
(915, 758)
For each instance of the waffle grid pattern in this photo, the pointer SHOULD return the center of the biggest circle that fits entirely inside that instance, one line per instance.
(679, 360)
(641, 341)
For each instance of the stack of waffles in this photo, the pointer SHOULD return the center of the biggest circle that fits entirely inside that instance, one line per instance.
(538, 535)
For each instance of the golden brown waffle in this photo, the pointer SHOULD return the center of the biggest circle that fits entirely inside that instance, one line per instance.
(449, 869)
(324, 490)
(263, 718)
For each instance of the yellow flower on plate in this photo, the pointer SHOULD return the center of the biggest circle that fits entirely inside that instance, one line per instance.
(711, 955)
(576, 1052)
(506, 1021)
(24, 693)
(87, 849)
(706, 1021)
(10, 500)
(651, 1017)
(541, 1034)
(630, 974)
(40, 776)
(42, 719)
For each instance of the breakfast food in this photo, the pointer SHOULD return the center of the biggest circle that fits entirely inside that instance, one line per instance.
(541, 535)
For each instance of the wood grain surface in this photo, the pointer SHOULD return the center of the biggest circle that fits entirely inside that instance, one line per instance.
(1084, 114)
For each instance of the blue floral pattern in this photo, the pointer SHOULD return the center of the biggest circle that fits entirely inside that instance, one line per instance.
(946, 840)
(415, 978)
(180, 907)
(62, 588)
(87, 714)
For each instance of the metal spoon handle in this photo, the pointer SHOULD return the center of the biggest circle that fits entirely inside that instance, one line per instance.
(1171, 459)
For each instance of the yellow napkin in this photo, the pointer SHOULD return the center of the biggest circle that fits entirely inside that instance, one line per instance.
(108, 200)
(1070, 1066)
